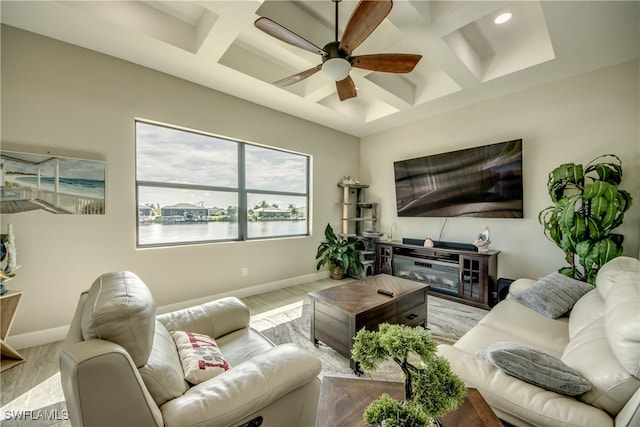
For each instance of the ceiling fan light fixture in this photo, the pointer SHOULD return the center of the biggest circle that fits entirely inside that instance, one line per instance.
(336, 69)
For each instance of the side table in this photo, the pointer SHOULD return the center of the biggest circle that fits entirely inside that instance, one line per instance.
(343, 401)
(8, 305)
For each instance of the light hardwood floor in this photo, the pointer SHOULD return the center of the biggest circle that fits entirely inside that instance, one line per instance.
(35, 384)
(31, 379)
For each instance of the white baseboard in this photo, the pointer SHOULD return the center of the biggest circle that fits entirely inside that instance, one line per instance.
(45, 336)
(245, 292)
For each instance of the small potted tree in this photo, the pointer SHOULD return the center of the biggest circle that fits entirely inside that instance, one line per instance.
(340, 255)
(431, 388)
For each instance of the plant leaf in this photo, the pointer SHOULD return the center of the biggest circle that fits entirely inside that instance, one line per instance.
(605, 250)
(623, 202)
(579, 229)
(609, 216)
(568, 214)
(609, 172)
(599, 206)
(600, 189)
(593, 229)
(583, 248)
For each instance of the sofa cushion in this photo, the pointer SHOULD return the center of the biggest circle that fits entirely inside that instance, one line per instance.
(511, 321)
(554, 294)
(590, 354)
(200, 356)
(608, 273)
(518, 402)
(622, 321)
(535, 367)
(605, 344)
(119, 308)
(162, 374)
(587, 310)
(243, 344)
(519, 286)
(214, 318)
(248, 389)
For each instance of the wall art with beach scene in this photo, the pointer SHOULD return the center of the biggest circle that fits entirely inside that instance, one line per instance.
(31, 183)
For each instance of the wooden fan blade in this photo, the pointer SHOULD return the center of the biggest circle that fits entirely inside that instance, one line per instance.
(297, 77)
(365, 18)
(281, 33)
(346, 89)
(387, 62)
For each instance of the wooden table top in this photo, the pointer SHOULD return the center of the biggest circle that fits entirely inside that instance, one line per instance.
(362, 295)
(343, 401)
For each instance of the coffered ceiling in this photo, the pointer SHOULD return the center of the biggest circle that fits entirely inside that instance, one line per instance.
(466, 57)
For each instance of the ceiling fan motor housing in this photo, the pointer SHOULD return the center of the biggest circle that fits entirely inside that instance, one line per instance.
(334, 51)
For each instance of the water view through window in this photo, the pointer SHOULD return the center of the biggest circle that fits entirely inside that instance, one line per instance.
(193, 187)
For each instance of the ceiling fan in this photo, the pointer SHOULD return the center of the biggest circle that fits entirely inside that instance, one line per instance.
(337, 58)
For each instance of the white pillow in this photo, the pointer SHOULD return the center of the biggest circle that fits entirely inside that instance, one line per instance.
(200, 356)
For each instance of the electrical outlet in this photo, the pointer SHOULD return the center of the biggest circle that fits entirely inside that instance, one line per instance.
(245, 271)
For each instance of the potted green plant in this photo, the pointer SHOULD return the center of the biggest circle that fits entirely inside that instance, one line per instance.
(340, 255)
(588, 205)
(431, 388)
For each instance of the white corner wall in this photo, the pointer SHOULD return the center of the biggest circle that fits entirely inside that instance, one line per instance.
(69, 101)
(574, 120)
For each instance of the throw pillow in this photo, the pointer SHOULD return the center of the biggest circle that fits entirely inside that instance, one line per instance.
(535, 367)
(200, 356)
(554, 294)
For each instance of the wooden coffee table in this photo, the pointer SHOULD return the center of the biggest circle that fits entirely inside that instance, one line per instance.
(343, 401)
(338, 313)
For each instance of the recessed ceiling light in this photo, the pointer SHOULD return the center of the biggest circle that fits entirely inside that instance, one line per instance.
(502, 18)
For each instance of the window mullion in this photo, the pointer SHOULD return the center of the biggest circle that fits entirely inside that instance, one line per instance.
(242, 194)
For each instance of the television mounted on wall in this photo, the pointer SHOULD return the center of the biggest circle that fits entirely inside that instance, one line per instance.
(482, 181)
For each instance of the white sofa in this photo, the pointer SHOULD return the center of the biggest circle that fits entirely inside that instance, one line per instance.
(599, 339)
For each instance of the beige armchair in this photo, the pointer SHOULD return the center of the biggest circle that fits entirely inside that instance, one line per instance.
(120, 366)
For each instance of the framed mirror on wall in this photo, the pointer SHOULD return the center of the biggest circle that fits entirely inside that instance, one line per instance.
(51, 184)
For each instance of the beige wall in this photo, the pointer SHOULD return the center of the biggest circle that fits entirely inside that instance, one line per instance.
(73, 102)
(573, 120)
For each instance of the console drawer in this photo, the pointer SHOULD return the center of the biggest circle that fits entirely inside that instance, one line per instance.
(372, 318)
(416, 316)
(410, 301)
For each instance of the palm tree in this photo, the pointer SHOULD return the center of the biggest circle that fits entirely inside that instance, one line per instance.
(294, 211)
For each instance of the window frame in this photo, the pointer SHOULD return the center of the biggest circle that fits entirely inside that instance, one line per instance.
(241, 190)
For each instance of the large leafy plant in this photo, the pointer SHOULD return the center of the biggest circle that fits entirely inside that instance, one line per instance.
(340, 255)
(431, 388)
(588, 206)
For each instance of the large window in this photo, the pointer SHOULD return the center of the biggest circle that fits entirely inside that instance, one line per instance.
(194, 188)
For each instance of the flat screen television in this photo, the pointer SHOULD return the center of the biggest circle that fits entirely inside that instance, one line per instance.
(483, 182)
